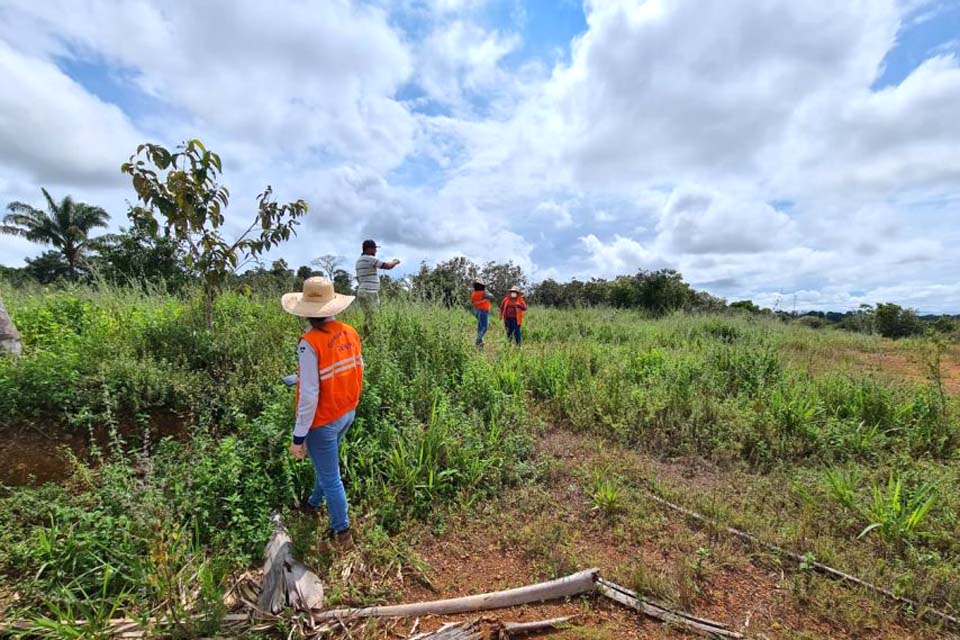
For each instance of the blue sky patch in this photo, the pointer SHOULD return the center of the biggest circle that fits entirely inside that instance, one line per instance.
(930, 31)
(112, 84)
(548, 28)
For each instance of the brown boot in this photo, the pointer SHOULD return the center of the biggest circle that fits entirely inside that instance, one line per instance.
(343, 540)
(332, 543)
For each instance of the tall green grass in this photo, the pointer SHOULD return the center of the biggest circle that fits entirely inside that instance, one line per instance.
(434, 426)
(721, 388)
(439, 423)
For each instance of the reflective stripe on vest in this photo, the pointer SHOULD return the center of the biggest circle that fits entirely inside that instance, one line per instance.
(340, 367)
(480, 303)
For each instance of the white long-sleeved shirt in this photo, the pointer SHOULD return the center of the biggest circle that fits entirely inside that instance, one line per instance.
(309, 390)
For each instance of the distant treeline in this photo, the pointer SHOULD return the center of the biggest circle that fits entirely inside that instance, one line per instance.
(139, 258)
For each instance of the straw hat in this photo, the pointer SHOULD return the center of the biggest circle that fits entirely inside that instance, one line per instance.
(514, 288)
(318, 300)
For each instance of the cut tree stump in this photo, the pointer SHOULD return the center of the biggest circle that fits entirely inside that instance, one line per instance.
(9, 336)
(286, 580)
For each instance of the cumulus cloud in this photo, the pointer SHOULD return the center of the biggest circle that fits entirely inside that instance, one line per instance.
(876, 143)
(556, 213)
(53, 130)
(695, 88)
(744, 143)
(776, 96)
(459, 59)
(697, 220)
(353, 201)
(621, 255)
(287, 77)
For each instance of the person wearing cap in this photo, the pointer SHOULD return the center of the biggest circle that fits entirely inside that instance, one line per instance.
(329, 381)
(511, 312)
(481, 298)
(368, 282)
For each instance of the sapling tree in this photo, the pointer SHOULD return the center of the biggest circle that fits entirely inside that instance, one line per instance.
(184, 187)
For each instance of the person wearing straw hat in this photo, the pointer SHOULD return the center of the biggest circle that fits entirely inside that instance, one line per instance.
(329, 380)
(481, 298)
(511, 312)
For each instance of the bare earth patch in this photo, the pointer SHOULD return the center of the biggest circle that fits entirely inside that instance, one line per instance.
(30, 454)
(911, 367)
(534, 533)
(892, 363)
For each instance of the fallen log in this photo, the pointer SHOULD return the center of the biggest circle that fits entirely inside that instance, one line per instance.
(581, 583)
(572, 585)
(454, 631)
(925, 613)
(699, 626)
(474, 630)
(513, 629)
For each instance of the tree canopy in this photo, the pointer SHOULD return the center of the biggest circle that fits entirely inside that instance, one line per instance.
(65, 225)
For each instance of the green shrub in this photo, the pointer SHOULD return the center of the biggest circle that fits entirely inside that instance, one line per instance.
(438, 424)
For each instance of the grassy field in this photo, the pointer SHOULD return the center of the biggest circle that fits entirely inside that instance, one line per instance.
(838, 445)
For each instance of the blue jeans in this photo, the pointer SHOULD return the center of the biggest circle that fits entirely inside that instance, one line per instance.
(323, 444)
(483, 317)
(513, 330)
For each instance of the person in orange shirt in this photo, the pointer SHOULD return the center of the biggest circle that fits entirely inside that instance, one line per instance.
(329, 381)
(481, 308)
(511, 312)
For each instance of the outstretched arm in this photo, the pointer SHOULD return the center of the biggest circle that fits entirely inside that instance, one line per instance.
(389, 265)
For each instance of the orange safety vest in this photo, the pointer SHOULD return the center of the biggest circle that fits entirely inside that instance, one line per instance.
(479, 302)
(503, 308)
(341, 370)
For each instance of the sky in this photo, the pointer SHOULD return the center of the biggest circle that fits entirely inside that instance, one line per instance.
(805, 155)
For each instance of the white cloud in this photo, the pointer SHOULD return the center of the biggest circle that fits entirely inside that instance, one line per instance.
(675, 123)
(288, 77)
(876, 143)
(53, 130)
(460, 59)
(353, 202)
(557, 213)
(697, 220)
(619, 256)
(703, 89)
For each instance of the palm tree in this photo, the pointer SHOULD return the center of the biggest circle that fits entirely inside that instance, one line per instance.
(65, 226)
